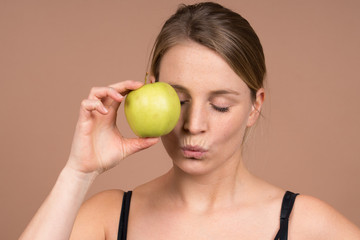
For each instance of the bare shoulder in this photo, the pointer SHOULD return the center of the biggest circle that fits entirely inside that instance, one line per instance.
(105, 199)
(98, 217)
(313, 218)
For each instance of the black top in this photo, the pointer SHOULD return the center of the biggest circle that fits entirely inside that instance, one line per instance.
(286, 207)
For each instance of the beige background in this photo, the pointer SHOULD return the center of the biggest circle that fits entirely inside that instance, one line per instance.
(53, 52)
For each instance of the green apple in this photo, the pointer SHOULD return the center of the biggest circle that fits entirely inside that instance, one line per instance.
(152, 110)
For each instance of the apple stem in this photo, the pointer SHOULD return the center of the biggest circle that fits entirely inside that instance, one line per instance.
(146, 77)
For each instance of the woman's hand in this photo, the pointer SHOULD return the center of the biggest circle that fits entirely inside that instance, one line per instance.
(98, 144)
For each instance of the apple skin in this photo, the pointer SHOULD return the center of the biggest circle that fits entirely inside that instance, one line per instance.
(152, 110)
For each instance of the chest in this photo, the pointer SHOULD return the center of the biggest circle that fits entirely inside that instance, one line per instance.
(228, 225)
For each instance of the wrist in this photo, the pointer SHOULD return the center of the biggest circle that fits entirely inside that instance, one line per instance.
(78, 176)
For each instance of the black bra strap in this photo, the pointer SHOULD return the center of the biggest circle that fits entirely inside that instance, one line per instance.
(286, 207)
(124, 217)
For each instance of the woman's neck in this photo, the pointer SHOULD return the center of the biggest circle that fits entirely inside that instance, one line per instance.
(207, 192)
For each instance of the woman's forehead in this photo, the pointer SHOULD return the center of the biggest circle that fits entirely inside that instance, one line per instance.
(191, 66)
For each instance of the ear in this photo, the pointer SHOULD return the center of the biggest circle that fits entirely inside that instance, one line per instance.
(256, 107)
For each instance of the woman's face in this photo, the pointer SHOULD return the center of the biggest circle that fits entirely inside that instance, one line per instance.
(216, 109)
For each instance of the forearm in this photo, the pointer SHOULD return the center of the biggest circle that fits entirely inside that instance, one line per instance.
(55, 218)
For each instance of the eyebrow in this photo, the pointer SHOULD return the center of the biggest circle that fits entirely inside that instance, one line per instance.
(216, 92)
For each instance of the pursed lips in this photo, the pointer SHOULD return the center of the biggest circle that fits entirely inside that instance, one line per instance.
(195, 152)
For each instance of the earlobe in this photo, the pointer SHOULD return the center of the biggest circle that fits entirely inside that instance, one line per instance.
(253, 116)
(256, 107)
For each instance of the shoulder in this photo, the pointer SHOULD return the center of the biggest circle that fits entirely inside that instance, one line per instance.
(98, 216)
(105, 197)
(102, 203)
(313, 218)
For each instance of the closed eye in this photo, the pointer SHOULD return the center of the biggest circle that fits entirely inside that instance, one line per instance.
(217, 108)
(220, 109)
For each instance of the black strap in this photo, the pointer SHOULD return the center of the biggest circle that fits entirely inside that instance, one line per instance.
(124, 217)
(286, 207)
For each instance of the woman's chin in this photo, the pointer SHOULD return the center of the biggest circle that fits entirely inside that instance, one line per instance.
(191, 166)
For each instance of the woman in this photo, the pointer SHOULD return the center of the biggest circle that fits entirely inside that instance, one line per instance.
(214, 60)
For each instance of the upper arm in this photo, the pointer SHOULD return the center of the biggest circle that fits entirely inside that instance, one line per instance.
(98, 216)
(315, 219)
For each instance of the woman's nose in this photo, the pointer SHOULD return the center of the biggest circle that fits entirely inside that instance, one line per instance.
(195, 119)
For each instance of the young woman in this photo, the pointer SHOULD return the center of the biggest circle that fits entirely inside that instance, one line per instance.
(214, 60)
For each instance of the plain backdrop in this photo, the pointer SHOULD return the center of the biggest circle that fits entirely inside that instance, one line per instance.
(53, 52)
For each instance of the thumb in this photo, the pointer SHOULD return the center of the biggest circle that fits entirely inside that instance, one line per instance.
(134, 145)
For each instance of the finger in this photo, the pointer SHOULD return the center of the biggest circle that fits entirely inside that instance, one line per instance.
(134, 145)
(89, 105)
(104, 92)
(126, 86)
